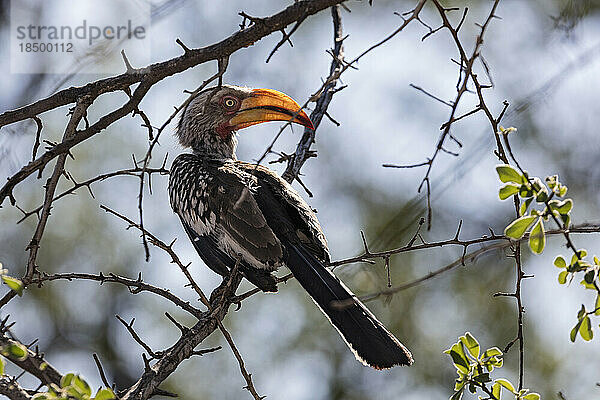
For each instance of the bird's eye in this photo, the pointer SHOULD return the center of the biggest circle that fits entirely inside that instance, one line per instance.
(230, 102)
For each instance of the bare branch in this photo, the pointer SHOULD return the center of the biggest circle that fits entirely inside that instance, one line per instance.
(136, 337)
(371, 255)
(220, 300)
(80, 109)
(11, 389)
(87, 183)
(135, 286)
(303, 151)
(286, 37)
(34, 363)
(101, 370)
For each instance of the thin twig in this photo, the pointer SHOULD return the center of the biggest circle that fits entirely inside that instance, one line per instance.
(79, 111)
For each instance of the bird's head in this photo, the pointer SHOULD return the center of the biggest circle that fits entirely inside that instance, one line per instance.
(209, 122)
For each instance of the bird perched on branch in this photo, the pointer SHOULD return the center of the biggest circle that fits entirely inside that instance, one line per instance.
(237, 213)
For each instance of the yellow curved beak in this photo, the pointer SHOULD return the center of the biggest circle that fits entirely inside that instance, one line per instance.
(266, 105)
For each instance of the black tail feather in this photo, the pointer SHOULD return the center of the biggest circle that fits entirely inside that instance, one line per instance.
(370, 341)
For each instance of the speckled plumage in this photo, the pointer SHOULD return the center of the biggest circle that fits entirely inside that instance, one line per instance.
(239, 212)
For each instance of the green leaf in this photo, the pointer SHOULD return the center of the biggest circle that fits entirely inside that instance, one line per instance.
(531, 396)
(496, 362)
(525, 206)
(590, 276)
(13, 283)
(566, 219)
(536, 184)
(459, 362)
(105, 394)
(472, 387)
(542, 195)
(471, 344)
(560, 262)
(597, 306)
(459, 358)
(506, 384)
(459, 383)
(586, 329)
(562, 191)
(564, 207)
(491, 352)
(67, 380)
(562, 277)
(82, 386)
(537, 238)
(496, 388)
(482, 378)
(525, 192)
(573, 334)
(579, 266)
(553, 204)
(75, 393)
(582, 254)
(517, 228)
(54, 389)
(506, 173)
(508, 190)
(574, 258)
(587, 285)
(1, 366)
(15, 351)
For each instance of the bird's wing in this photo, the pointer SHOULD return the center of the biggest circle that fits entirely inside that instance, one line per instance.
(220, 262)
(240, 218)
(287, 211)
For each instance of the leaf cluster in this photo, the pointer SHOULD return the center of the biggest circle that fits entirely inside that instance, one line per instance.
(474, 367)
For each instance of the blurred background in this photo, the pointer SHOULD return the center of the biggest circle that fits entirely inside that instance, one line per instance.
(545, 60)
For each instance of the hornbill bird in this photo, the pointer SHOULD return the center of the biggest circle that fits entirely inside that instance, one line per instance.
(238, 213)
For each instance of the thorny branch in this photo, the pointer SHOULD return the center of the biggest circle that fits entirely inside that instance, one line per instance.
(99, 178)
(11, 389)
(154, 375)
(369, 256)
(134, 286)
(500, 153)
(34, 363)
(303, 152)
(414, 15)
(77, 115)
(184, 268)
(464, 259)
(465, 73)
